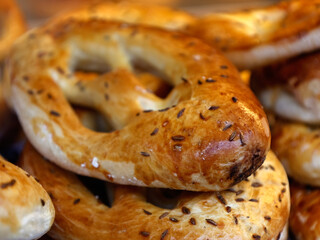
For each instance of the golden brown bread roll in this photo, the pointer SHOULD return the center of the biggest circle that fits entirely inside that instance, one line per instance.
(291, 88)
(26, 210)
(305, 212)
(257, 208)
(297, 146)
(249, 39)
(259, 37)
(12, 25)
(216, 137)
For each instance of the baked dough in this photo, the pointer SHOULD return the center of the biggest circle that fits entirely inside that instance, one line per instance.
(26, 210)
(208, 134)
(257, 208)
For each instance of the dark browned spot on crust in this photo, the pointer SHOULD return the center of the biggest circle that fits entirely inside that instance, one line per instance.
(54, 113)
(256, 184)
(35, 178)
(106, 96)
(242, 140)
(199, 82)
(164, 234)
(106, 85)
(49, 96)
(193, 221)
(265, 229)
(256, 236)
(76, 201)
(257, 159)
(280, 197)
(235, 220)
(163, 215)
(147, 212)
(184, 79)
(154, 132)
(185, 210)
(221, 198)
(224, 76)
(178, 138)
(283, 190)
(60, 70)
(239, 192)
(267, 218)
(137, 114)
(27, 174)
(180, 113)
(271, 167)
(239, 200)
(8, 184)
(164, 109)
(30, 92)
(172, 219)
(212, 222)
(253, 200)
(234, 99)
(228, 209)
(40, 91)
(145, 154)
(232, 136)
(144, 234)
(147, 110)
(210, 80)
(234, 171)
(224, 67)
(283, 184)
(42, 202)
(202, 117)
(25, 78)
(229, 125)
(213, 108)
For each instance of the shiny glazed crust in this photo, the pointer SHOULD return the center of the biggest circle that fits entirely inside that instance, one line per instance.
(12, 25)
(26, 210)
(261, 36)
(305, 212)
(208, 134)
(138, 13)
(248, 38)
(297, 146)
(254, 209)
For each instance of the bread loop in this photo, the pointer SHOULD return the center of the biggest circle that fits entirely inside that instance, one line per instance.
(250, 39)
(291, 88)
(254, 209)
(297, 146)
(12, 25)
(215, 137)
(26, 211)
(259, 37)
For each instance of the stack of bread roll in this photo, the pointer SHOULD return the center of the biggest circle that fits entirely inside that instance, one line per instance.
(179, 117)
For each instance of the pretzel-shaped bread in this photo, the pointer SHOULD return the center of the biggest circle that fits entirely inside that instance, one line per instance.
(259, 37)
(297, 146)
(249, 39)
(207, 134)
(11, 25)
(291, 88)
(26, 211)
(254, 209)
